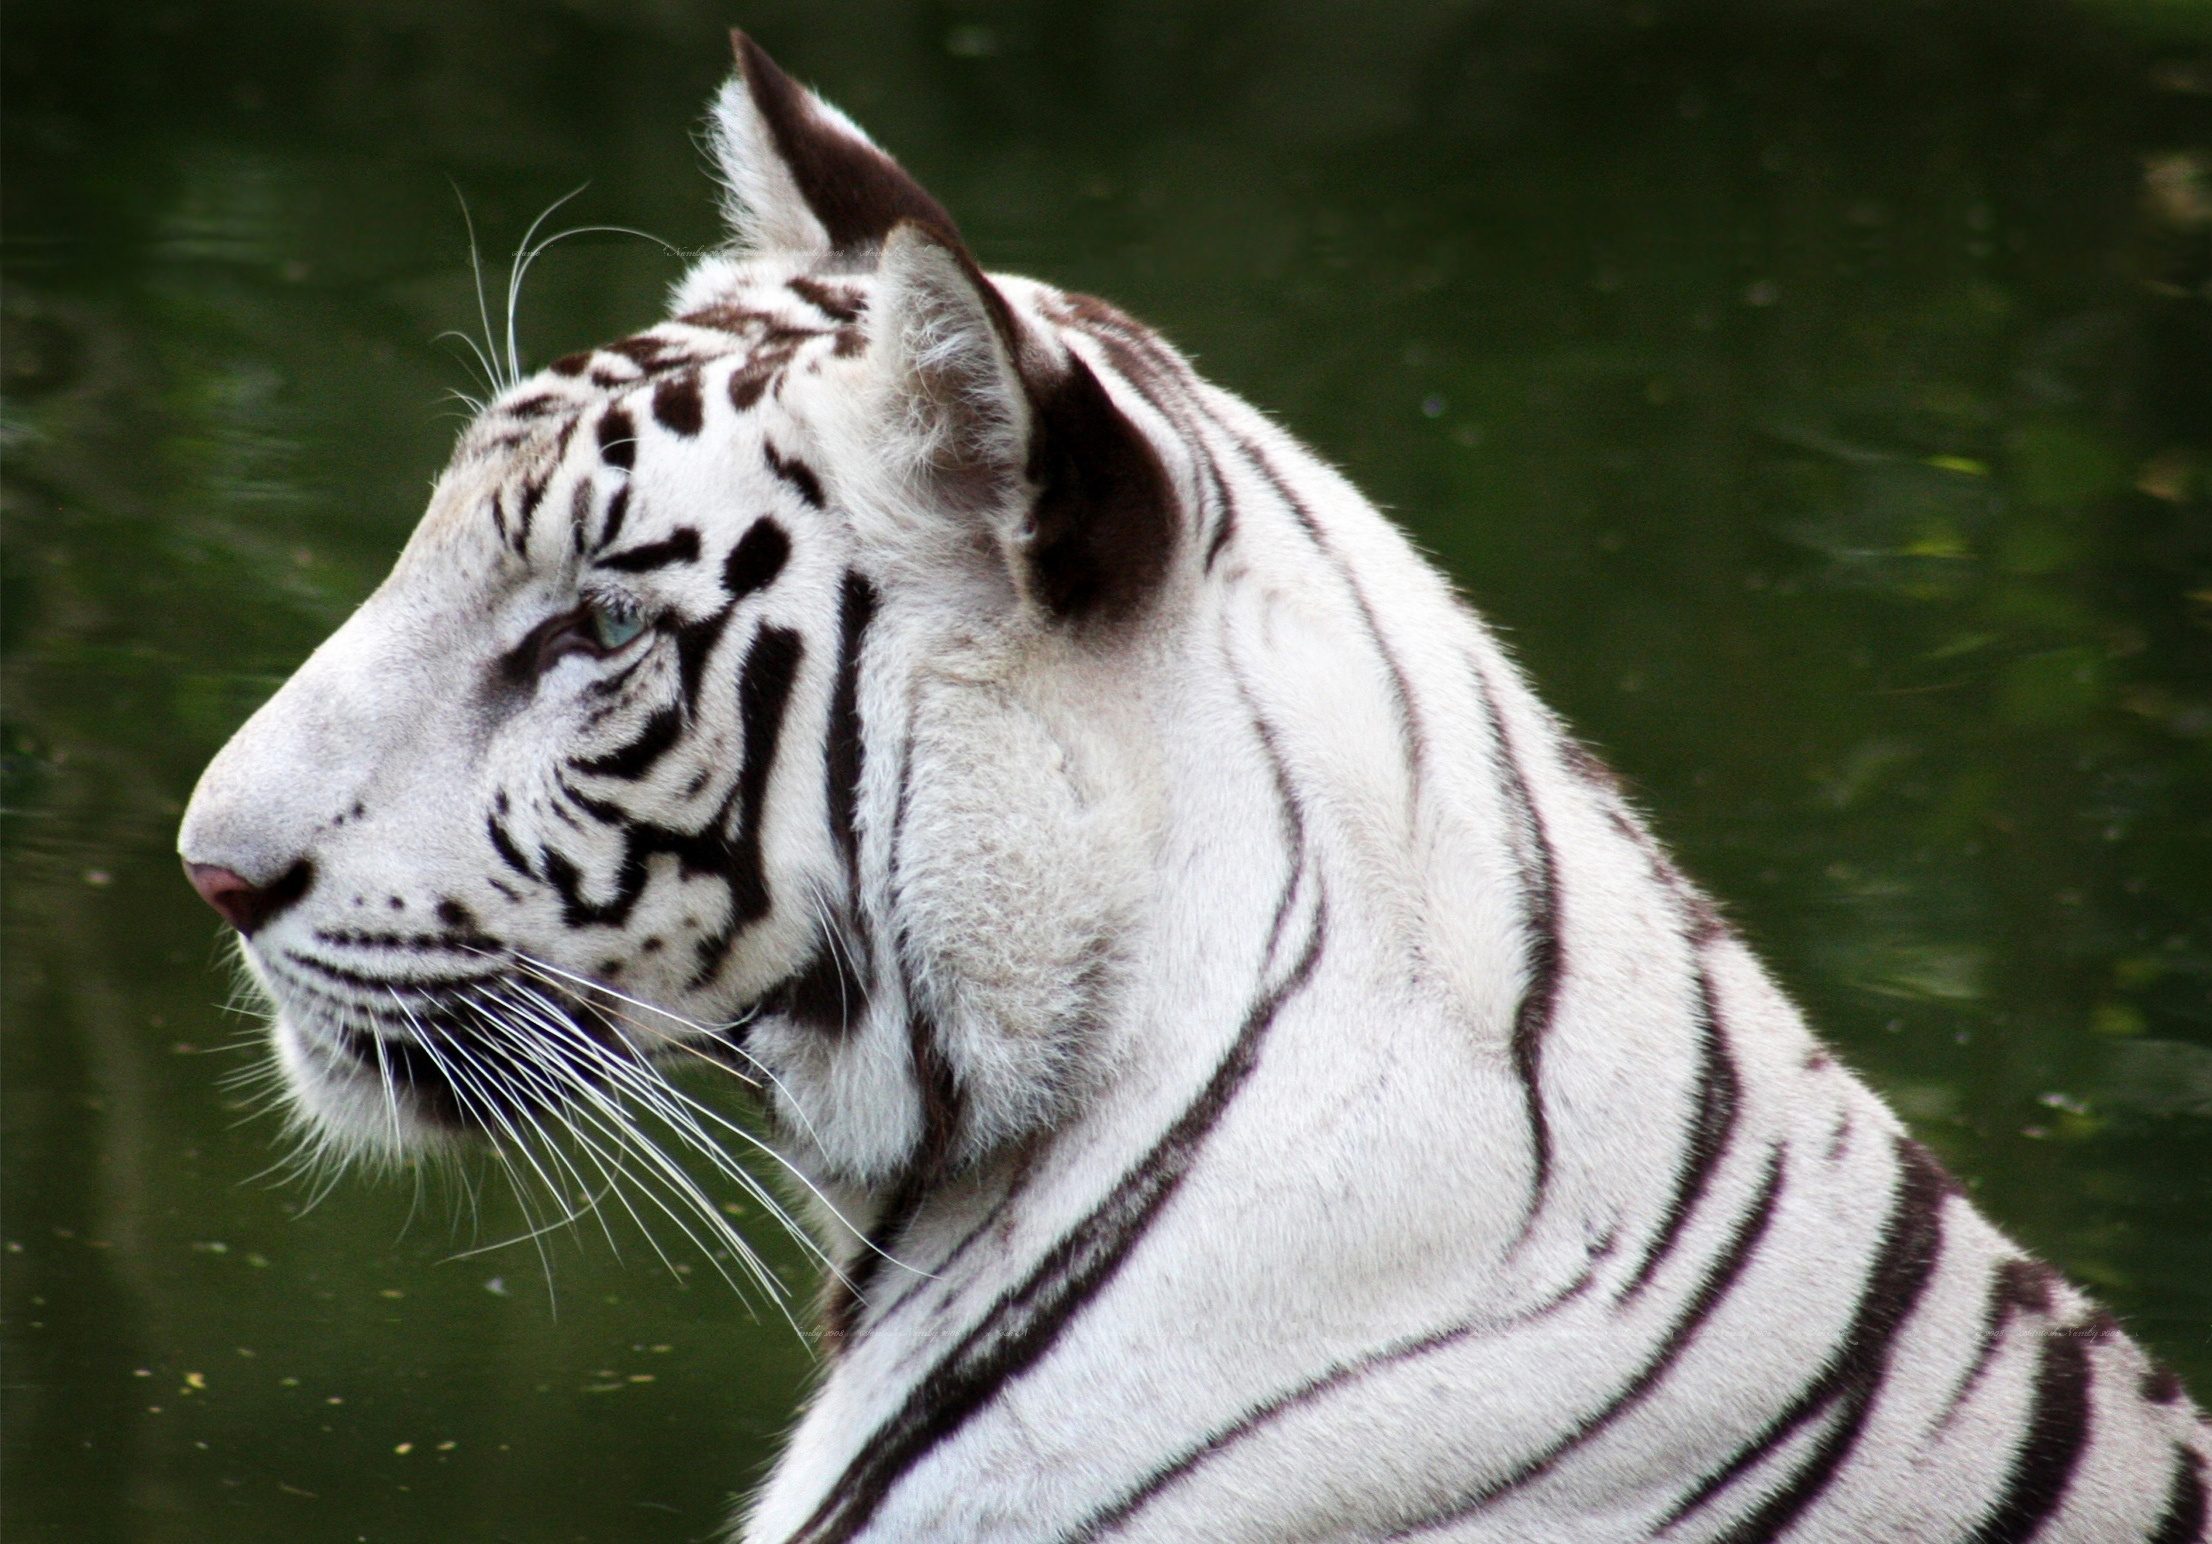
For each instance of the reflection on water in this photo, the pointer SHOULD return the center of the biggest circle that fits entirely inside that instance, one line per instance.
(1822, 397)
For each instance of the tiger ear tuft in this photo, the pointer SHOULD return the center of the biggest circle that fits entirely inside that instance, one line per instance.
(798, 175)
(947, 358)
(988, 420)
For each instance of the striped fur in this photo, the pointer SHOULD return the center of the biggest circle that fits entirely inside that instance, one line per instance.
(1253, 1075)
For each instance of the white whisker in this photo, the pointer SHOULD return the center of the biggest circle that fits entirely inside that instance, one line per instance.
(488, 355)
(606, 1113)
(679, 1110)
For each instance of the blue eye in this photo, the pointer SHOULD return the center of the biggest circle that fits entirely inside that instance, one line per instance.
(614, 623)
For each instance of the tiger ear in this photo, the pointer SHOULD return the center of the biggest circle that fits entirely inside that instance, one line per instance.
(798, 175)
(988, 424)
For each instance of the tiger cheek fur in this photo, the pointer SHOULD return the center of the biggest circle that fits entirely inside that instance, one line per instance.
(1255, 1076)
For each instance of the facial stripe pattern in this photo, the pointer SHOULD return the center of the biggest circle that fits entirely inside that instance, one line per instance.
(1252, 1075)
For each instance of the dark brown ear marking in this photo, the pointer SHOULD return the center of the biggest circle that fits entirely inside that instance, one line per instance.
(1103, 525)
(855, 190)
(1104, 522)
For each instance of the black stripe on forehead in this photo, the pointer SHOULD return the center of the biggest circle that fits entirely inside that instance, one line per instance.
(677, 406)
(679, 546)
(795, 472)
(618, 438)
(618, 509)
(756, 560)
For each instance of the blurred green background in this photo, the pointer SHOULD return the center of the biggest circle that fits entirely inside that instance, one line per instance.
(1819, 394)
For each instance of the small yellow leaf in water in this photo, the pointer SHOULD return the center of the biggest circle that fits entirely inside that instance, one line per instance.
(2169, 475)
(1964, 464)
(193, 1381)
(1937, 543)
(404, 1448)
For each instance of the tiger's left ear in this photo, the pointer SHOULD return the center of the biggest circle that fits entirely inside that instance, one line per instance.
(992, 432)
(799, 176)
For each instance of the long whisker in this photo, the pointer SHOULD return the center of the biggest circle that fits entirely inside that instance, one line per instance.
(493, 1112)
(604, 1114)
(526, 254)
(634, 1078)
(679, 1110)
(489, 353)
(554, 1098)
(567, 983)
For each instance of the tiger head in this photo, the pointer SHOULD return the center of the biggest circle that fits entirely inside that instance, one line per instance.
(739, 695)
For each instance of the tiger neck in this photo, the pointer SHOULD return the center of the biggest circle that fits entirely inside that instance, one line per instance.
(1308, 816)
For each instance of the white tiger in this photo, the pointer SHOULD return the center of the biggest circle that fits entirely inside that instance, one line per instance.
(1276, 1087)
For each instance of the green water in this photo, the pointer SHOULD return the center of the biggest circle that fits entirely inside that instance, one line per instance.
(1819, 394)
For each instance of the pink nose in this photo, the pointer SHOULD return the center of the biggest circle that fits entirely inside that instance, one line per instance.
(244, 904)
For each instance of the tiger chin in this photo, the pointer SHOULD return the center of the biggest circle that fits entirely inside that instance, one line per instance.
(1254, 1075)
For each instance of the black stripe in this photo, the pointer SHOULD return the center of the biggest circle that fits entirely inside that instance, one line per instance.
(828, 995)
(679, 546)
(2160, 1385)
(1410, 730)
(1225, 522)
(612, 700)
(795, 472)
(756, 560)
(676, 404)
(763, 697)
(941, 1270)
(634, 760)
(610, 527)
(753, 377)
(2058, 1430)
(2016, 1286)
(1290, 814)
(764, 691)
(844, 752)
(1025, 1322)
(618, 438)
(1712, 1121)
(649, 352)
(1849, 1382)
(695, 643)
(538, 404)
(533, 492)
(942, 1100)
(1727, 1268)
(1539, 1004)
(2185, 1508)
(839, 304)
(504, 845)
(579, 514)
